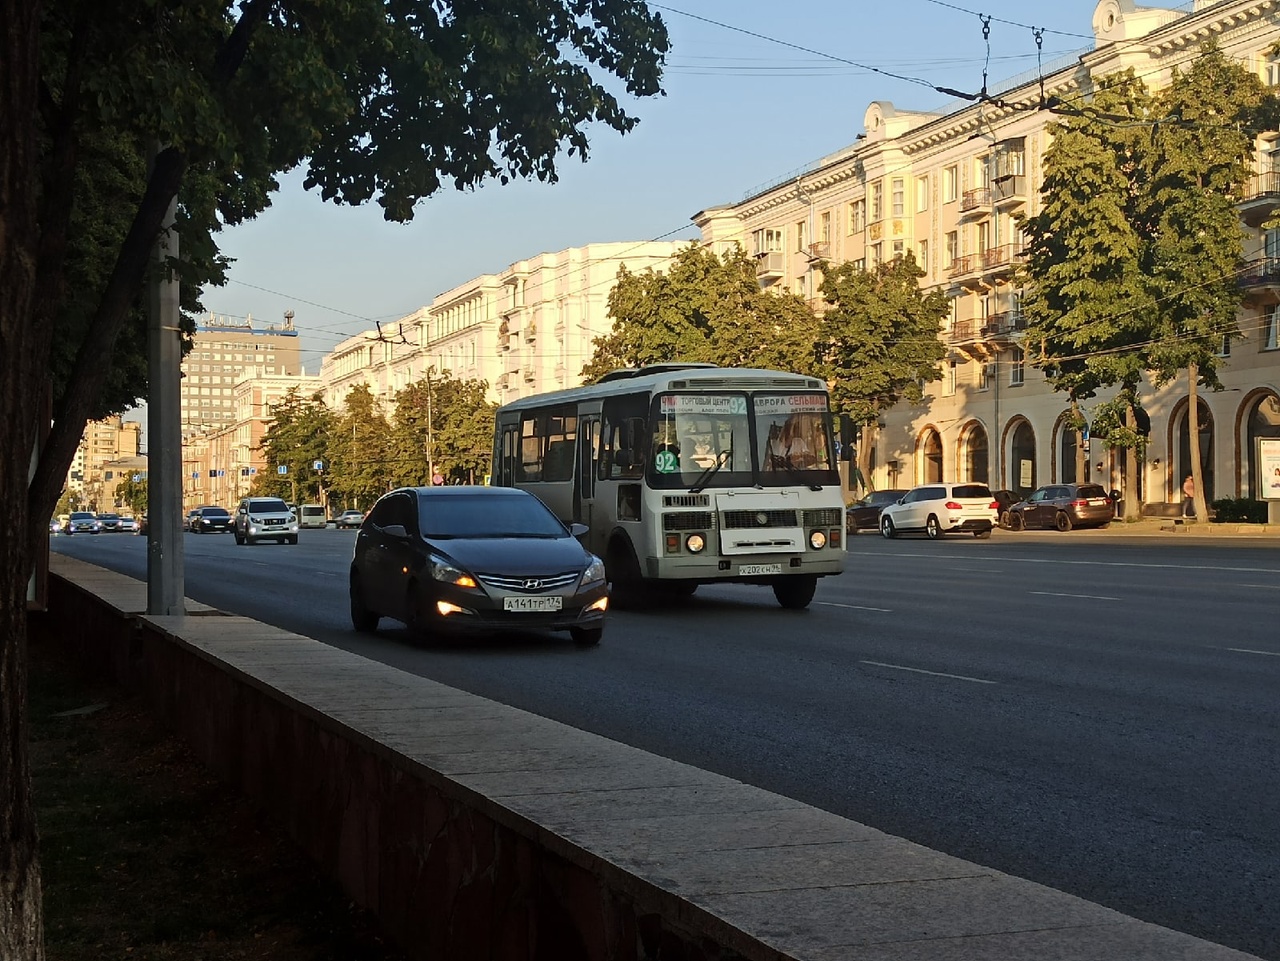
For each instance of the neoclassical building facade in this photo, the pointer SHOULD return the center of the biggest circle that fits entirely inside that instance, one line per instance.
(946, 186)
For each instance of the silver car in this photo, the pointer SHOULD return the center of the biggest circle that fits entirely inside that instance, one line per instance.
(265, 519)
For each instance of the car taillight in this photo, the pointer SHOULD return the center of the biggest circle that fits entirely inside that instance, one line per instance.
(953, 506)
(1079, 503)
(994, 505)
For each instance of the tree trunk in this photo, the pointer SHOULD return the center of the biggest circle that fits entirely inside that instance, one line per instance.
(1082, 456)
(1193, 430)
(1129, 486)
(23, 371)
(866, 444)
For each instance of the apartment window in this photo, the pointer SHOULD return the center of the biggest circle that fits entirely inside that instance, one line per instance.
(898, 197)
(953, 313)
(948, 378)
(922, 194)
(860, 264)
(1271, 330)
(1271, 69)
(986, 374)
(899, 249)
(824, 227)
(877, 202)
(766, 240)
(1271, 244)
(982, 172)
(1224, 346)
(1017, 367)
(952, 249)
(802, 235)
(950, 184)
(873, 256)
(922, 255)
(857, 216)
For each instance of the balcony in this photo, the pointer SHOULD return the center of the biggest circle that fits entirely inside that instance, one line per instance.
(963, 266)
(820, 251)
(1260, 281)
(979, 197)
(1009, 191)
(770, 266)
(1261, 198)
(1002, 259)
(1006, 323)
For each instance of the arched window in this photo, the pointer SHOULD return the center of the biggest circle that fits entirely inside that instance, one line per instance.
(1263, 420)
(1182, 438)
(975, 455)
(1068, 447)
(1022, 459)
(930, 451)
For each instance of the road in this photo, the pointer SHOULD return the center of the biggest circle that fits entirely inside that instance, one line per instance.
(1093, 711)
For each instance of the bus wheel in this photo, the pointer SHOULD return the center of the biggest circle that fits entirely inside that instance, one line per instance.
(795, 593)
(623, 570)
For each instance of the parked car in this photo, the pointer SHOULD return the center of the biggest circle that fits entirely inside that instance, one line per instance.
(349, 519)
(141, 527)
(186, 521)
(1063, 506)
(265, 518)
(109, 523)
(939, 509)
(1006, 499)
(864, 515)
(475, 559)
(210, 520)
(128, 524)
(83, 522)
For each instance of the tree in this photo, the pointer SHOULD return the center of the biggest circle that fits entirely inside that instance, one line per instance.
(299, 436)
(703, 308)
(358, 471)
(442, 424)
(878, 340)
(388, 102)
(133, 493)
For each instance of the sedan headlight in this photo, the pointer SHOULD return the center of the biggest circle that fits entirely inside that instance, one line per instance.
(446, 572)
(594, 571)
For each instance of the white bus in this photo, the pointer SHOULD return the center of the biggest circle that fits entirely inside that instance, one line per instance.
(687, 474)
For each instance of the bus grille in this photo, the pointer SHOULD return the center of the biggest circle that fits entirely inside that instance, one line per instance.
(745, 520)
(686, 500)
(827, 517)
(688, 521)
(531, 585)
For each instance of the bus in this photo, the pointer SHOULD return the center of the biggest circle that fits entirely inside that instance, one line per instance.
(687, 474)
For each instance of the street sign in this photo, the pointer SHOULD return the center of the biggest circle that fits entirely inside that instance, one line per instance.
(137, 478)
(317, 465)
(437, 479)
(222, 473)
(282, 469)
(252, 471)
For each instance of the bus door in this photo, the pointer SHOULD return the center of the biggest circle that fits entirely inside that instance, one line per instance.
(507, 450)
(584, 477)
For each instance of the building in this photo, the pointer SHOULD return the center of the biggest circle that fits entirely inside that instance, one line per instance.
(523, 331)
(223, 352)
(103, 443)
(946, 186)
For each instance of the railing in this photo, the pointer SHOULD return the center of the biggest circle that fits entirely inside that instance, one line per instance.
(972, 199)
(963, 265)
(1003, 255)
(1007, 321)
(1263, 272)
(821, 249)
(987, 328)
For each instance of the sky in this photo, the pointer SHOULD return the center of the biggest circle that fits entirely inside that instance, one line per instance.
(755, 90)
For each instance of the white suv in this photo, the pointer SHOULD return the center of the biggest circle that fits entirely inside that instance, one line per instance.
(265, 518)
(939, 509)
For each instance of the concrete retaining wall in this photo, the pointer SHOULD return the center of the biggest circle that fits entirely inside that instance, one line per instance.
(476, 830)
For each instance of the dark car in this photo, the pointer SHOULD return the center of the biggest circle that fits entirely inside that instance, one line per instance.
(190, 515)
(1062, 507)
(448, 560)
(110, 523)
(864, 515)
(209, 520)
(1006, 499)
(349, 519)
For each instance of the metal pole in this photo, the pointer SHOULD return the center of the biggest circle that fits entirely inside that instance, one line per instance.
(165, 588)
(431, 450)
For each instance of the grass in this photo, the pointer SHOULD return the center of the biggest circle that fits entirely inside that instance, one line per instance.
(146, 856)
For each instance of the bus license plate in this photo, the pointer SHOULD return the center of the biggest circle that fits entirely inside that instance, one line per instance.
(748, 569)
(532, 603)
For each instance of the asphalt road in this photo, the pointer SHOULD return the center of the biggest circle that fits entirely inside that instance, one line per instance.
(1096, 712)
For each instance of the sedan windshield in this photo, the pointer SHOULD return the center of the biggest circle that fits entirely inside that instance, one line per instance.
(215, 512)
(487, 515)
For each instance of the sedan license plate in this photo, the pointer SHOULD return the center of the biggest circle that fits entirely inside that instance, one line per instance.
(749, 569)
(532, 603)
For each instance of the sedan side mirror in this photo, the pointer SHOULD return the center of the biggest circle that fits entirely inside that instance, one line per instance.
(577, 530)
(397, 531)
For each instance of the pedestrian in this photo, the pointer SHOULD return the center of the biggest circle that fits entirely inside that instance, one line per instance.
(1189, 493)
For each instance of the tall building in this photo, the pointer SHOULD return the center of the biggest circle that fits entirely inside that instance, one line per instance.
(223, 352)
(525, 330)
(103, 442)
(946, 185)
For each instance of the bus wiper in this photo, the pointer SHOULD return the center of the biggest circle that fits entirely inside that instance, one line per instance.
(700, 484)
(786, 465)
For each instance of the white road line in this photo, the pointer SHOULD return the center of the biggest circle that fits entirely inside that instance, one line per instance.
(1245, 650)
(855, 607)
(1087, 597)
(1267, 587)
(880, 556)
(916, 670)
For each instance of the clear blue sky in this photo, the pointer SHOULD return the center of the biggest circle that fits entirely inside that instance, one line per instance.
(740, 111)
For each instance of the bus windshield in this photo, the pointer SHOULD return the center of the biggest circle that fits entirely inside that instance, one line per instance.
(771, 440)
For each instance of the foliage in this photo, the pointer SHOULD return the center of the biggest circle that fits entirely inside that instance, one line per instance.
(1111, 423)
(133, 493)
(703, 308)
(1239, 510)
(68, 501)
(357, 471)
(298, 437)
(443, 421)
(878, 339)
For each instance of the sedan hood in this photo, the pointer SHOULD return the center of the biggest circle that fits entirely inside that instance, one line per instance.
(514, 556)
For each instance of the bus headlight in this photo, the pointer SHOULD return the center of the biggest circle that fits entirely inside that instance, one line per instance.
(817, 540)
(695, 543)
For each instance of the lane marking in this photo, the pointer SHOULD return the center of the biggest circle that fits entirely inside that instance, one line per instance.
(1049, 560)
(1087, 597)
(1268, 587)
(1245, 650)
(854, 607)
(917, 670)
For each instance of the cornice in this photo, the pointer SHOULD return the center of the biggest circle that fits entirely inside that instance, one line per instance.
(1212, 25)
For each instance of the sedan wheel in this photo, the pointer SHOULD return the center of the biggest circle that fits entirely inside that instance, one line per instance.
(415, 616)
(933, 528)
(886, 527)
(362, 619)
(850, 525)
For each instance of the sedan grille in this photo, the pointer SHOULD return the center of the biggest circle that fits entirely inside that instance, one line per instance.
(745, 520)
(532, 584)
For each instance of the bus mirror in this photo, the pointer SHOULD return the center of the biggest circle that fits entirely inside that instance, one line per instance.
(622, 459)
